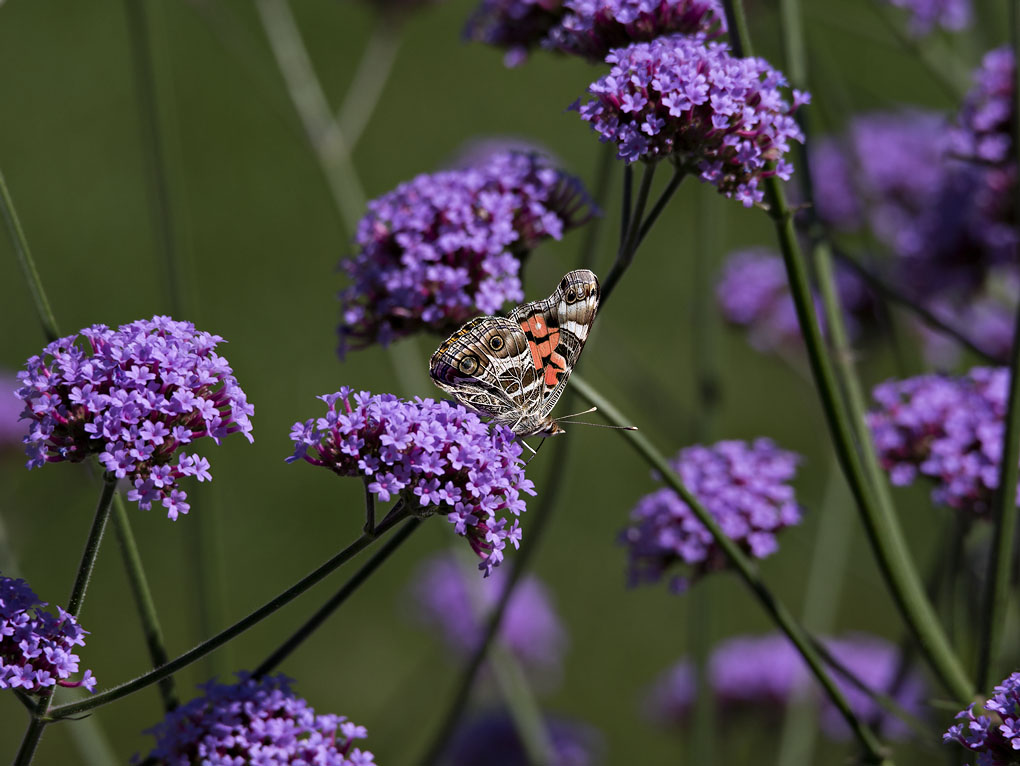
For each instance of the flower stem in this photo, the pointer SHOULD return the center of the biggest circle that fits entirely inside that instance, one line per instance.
(369, 79)
(346, 590)
(1000, 562)
(143, 600)
(34, 732)
(660, 205)
(211, 644)
(745, 567)
(629, 234)
(27, 263)
(543, 514)
(522, 706)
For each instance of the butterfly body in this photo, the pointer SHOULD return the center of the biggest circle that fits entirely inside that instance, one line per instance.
(514, 369)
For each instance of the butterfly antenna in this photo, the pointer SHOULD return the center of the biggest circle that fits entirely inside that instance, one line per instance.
(574, 415)
(597, 425)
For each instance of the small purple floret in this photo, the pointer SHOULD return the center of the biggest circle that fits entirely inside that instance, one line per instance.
(437, 456)
(134, 398)
(255, 721)
(743, 485)
(36, 646)
(995, 742)
(447, 246)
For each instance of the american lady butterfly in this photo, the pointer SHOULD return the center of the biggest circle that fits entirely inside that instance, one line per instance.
(515, 368)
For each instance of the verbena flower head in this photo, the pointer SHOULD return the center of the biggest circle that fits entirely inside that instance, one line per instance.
(518, 26)
(448, 246)
(762, 672)
(926, 15)
(995, 742)
(877, 664)
(680, 97)
(436, 456)
(492, 739)
(742, 484)
(753, 292)
(946, 429)
(671, 697)
(255, 721)
(592, 28)
(458, 606)
(36, 647)
(134, 396)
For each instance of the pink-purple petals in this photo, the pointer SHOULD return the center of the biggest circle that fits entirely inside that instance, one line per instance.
(436, 456)
(689, 100)
(134, 396)
(36, 646)
(995, 742)
(742, 484)
(256, 721)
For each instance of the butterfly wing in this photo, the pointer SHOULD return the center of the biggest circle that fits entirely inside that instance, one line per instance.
(486, 365)
(555, 330)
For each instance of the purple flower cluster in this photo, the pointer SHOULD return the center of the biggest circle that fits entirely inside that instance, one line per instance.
(925, 15)
(447, 246)
(136, 396)
(947, 429)
(592, 28)
(492, 739)
(995, 742)
(683, 98)
(743, 485)
(516, 25)
(36, 647)
(437, 456)
(753, 292)
(457, 606)
(255, 721)
(763, 674)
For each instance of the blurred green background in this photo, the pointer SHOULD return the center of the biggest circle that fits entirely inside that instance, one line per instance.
(259, 237)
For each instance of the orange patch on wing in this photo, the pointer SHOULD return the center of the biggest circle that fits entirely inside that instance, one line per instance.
(536, 356)
(536, 326)
(557, 366)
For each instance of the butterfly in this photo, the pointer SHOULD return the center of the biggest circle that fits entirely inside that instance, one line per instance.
(515, 368)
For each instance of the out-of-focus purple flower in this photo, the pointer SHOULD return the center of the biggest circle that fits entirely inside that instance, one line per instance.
(753, 293)
(946, 429)
(995, 742)
(692, 101)
(763, 672)
(515, 25)
(134, 398)
(11, 431)
(876, 663)
(36, 648)
(255, 721)
(671, 697)
(457, 606)
(478, 151)
(492, 739)
(837, 200)
(925, 15)
(447, 246)
(743, 485)
(592, 28)
(437, 456)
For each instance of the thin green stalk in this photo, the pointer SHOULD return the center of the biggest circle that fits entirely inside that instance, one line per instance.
(522, 707)
(27, 263)
(369, 79)
(850, 434)
(704, 321)
(996, 599)
(273, 661)
(745, 568)
(34, 732)
(660, 204)
(154, 676)
(143, 600)
(628, 246)
(324, 135)
(535, 532)
(704, 731)
(627, 204)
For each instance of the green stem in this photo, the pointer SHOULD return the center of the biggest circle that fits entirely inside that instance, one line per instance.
(996, 599)
(704, 320)
(143, 600)
(324, 136)
(745, 568)
(211, 644)
(299, 636)
(660, 205)
(628, 246)
(369, 79)
(27, 263)
(704, 730)
(522, 706)
(34, 732)
(536, 531)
